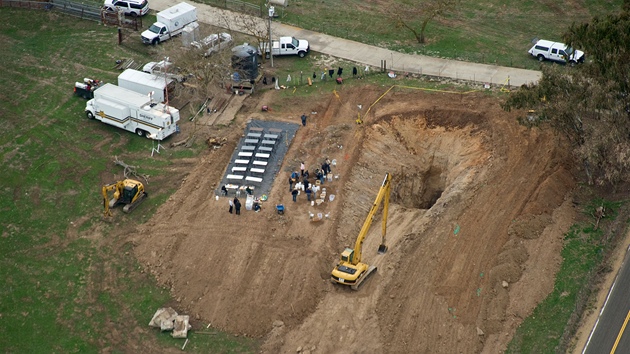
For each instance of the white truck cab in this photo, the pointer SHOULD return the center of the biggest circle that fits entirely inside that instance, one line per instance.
(556, 51)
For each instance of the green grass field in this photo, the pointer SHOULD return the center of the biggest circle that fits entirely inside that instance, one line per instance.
(484, 31)
(63, 292)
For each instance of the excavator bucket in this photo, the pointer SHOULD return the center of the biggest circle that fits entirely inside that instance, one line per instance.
(382, 248)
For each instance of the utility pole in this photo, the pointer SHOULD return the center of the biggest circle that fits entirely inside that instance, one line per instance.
(271, 10)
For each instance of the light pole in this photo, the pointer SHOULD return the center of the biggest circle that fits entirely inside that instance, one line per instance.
(271, 10)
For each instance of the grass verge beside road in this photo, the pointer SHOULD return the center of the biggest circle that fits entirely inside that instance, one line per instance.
(555, 320)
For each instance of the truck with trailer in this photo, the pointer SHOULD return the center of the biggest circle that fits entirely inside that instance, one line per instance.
(133, 112)
(286, 46)
(146, 84)
(170, 23)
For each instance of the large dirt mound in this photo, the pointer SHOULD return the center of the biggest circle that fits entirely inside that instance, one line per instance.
(477, 201)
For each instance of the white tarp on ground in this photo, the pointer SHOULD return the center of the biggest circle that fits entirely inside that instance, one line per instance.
(164, 318)
(181, 326)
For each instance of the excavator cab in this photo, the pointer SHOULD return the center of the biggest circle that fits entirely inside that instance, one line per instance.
(128, 192)
(347, 255)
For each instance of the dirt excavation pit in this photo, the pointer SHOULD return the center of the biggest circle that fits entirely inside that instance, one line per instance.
(435, 158)
(463, 172)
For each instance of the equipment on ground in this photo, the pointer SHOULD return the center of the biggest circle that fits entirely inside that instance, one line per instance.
(86, 88)
(129, 192)
(350, 270)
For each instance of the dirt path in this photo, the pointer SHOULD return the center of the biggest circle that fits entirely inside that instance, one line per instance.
(477, 200)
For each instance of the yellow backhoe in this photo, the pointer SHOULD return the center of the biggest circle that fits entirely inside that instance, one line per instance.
(129, 192)
(350, 270)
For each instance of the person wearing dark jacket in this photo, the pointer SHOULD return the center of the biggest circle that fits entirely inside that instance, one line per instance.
(294, 193)
(237, 206)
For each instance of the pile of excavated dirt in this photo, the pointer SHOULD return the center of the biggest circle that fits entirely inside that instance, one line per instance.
(478, 208)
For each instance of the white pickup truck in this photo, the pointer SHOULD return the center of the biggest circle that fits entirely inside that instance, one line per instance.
(556, 51)
(170, 23)
(286, 46)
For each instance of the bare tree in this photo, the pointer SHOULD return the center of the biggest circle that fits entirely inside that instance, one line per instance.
(254, 27)
(406, 15)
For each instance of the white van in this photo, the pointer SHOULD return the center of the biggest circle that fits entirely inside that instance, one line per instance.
(129, 7)
(556, 51)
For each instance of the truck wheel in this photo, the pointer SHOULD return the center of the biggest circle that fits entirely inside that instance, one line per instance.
(89, 115)
(156, 41)
(134, 14)
(541, 57)
(140, 132)
(301, 54)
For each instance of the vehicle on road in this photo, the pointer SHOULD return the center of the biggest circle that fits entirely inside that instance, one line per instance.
(286, 46)
(556, 51)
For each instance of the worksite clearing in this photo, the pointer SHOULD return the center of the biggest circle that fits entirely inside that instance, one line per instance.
(478, 208)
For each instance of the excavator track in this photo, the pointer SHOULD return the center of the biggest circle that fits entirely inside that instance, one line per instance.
(363, 277)
(129, 207)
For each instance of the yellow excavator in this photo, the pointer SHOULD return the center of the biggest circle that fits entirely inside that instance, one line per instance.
(129, 192)
(350, 270)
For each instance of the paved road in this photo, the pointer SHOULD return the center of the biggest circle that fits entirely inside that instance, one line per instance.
(610, 331)
(371, 55)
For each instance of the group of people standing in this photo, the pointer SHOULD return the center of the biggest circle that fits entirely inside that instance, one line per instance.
(235, 204)
(320, 174)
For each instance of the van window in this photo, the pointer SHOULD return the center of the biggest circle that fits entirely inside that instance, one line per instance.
(539, 47)
(140, 5)
(554, 51)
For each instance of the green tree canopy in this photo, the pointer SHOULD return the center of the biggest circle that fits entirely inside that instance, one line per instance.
(590, 104)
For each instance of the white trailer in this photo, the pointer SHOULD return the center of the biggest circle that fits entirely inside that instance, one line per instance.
(170, 23)
(146, 84)
(132, 111)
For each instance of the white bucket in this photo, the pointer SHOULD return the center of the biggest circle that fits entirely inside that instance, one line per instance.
(216, 197)
(331, 197)
(312, 202)
(330, 177)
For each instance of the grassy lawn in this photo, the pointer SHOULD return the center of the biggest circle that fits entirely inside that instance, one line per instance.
(554, 320)
(485, 31)
(68, 285)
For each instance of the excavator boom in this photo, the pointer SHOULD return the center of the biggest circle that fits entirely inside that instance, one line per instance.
(350, 270)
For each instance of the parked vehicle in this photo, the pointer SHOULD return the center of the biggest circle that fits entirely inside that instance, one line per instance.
(133, 112)
(556, 51)
(146, 84)
(213, 43)
(170, 23)
(86, 88)
(286, 46)
(130, 7)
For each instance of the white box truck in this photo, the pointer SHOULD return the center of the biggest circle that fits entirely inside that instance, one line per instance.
(146, 84)
(170, 23)
(133, 112)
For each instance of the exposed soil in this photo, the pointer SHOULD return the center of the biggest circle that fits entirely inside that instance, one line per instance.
(477, 200)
